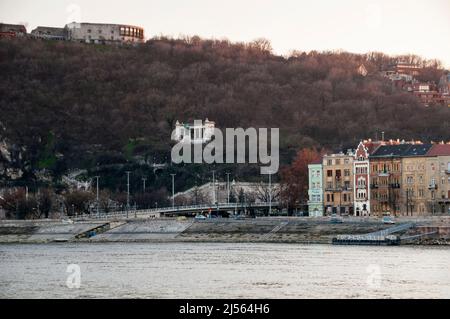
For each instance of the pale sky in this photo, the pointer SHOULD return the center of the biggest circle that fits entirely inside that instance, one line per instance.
(393, 27)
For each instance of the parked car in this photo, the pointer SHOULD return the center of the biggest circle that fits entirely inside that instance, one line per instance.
(335, 219)
(388, 220)
(200, 217)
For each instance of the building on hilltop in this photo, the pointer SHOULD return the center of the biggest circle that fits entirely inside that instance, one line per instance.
(12, 30)
(104, 33)
(49, 33)
(407, 68)
(198, 132)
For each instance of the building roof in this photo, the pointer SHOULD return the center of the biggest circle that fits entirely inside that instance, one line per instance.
(317, 161)
(417, 150)
(439, 150)
(93, 24)
(402, 150)
(48, 30)
(390, 150)
(372, 146)
(4, 27)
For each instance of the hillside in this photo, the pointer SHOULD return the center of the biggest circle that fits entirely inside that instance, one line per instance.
(68, 105)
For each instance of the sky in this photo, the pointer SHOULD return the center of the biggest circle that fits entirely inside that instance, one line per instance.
(359, 26)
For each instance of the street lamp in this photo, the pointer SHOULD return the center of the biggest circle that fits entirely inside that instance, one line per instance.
(143, 182)
(270, 194)
(228, 188)
(128, 191)
(98, 212)
(173, 190)
(214, 186)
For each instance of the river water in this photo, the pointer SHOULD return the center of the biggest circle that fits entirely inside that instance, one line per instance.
(210, 270)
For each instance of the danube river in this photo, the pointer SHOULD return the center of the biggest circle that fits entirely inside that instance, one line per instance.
(214, 270)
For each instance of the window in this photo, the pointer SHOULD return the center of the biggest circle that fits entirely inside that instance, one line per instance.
(338, 174)
(421, 192)
(338, 162)
(89, 31)
(329, 173)
(330, 162)
(346, 172)
(346, 161)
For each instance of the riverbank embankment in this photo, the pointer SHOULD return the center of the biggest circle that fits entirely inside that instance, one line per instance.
(426, 231)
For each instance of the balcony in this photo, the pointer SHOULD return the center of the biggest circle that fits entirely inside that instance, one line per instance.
(394, 185)
(447, 171)
(383, 174)
(432, 186)
(333, 189)
(374, 186)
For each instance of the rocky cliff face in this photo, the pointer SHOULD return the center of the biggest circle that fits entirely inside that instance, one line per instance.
(11, 158)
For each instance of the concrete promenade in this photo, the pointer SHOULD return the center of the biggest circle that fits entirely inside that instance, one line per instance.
(265, 229)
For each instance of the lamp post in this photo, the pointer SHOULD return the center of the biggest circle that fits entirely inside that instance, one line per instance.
(173, 190)
(214, 186)
(143, 184)
(128, 191)
(228, 188)
(98, 211)
(270, 194)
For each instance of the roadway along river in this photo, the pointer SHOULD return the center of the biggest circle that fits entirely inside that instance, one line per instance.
(210, 270)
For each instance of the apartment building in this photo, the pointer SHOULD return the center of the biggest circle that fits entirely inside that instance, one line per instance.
(414, 190)
(438, 179)
(338, 183)
(315, 189)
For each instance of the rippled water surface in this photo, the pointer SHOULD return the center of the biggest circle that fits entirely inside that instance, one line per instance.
(206, 270)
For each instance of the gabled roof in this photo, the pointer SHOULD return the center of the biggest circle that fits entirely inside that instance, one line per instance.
(439, 150)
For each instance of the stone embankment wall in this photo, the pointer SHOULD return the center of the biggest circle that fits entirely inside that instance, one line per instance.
(287, 230)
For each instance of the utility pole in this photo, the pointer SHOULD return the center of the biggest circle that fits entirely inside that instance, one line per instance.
(128, 191)
(214, 186)
(228, 188)
(173, 190)
(143, 181)
(98, 212)
(270, 193)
